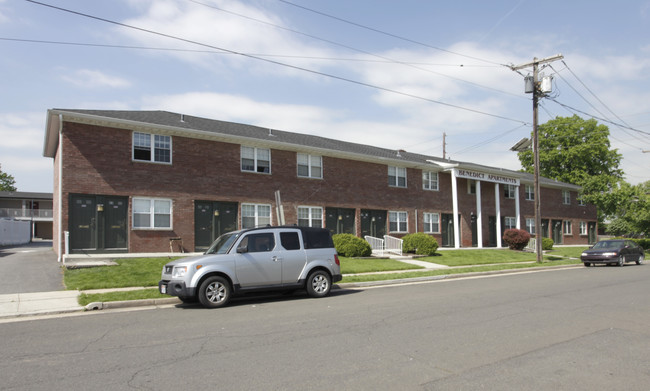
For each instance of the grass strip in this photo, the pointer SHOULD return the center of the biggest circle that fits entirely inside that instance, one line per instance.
(152, 293)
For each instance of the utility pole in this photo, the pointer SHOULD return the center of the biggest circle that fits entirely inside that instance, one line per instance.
(444, 145)
(536, 94)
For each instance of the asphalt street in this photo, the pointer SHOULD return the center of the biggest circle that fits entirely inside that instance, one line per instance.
(30, 268)
(571, 329)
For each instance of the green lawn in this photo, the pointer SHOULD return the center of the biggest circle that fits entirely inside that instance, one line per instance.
(145, 272)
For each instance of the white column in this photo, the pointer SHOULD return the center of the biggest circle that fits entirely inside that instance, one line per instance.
(479, 215)
(497, 206)
(518, 215)
(454, 195)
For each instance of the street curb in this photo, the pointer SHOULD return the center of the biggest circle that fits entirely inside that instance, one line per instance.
(351, 285)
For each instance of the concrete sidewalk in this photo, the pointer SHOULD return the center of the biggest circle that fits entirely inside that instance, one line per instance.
(38, 303)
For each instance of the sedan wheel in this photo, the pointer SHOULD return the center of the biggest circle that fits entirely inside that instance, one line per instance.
(640, 260)
(621, 260)
(587, 264)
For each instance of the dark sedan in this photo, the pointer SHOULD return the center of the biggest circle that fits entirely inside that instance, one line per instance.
(614, 252)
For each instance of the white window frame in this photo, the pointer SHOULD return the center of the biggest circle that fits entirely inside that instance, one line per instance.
(258, 214)
(530, 225)
(313, 163)
(154, 143)
(399, 219)
(566, 197)
(471, 186)
(310, 214)
(509, 222)
(397, 174)
(156, 207)
(529, 192)
(431, 223)
(567, 228)
(510, 191)
(583, 228)
(430, 180)
(257, 159)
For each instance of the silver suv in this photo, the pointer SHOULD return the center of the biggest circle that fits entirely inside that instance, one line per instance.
(259, 259)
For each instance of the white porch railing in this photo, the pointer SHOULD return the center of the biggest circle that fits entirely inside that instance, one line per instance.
(393, 245)
(388, 244)
(376, 244)
(531, 245)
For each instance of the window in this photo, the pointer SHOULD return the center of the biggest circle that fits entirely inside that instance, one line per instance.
(256, 160)
(310, 166)
(290, 240)
(581, 202)
(396, 176)
(583, 228)
(510, 191)
(566, 197)
(255, 215)
(471, 186)
(530, 226)
(510, 222)
(397, 221)
(429, 180)
(432, 223)
(309, 216)
(152, 213)
(258, 243)
(567, 227)
(152, 148)
(530, 192)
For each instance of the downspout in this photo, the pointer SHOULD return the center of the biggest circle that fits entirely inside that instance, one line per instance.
(60, 189)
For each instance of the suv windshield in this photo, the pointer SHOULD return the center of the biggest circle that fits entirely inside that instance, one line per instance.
(223, 243)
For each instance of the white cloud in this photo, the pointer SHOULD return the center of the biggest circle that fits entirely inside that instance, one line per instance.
(87, 78)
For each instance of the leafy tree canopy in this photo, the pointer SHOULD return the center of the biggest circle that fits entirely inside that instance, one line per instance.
(576, 151)
(7, 181)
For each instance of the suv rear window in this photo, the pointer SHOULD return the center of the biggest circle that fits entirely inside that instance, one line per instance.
(317, 238)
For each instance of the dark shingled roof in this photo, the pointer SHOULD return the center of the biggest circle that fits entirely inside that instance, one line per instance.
(191, 123)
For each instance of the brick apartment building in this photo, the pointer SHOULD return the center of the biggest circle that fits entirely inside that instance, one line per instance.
(129, 181)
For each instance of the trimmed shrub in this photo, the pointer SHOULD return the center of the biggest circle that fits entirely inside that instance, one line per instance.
(420, 244)
(547, 244)
(517, 239)
(348, 245)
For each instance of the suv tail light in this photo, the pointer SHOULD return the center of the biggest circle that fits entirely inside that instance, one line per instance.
(336, 259)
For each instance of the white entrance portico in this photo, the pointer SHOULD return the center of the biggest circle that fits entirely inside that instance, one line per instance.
(482, 176)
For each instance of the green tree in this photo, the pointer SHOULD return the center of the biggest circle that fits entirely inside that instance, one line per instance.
(7, 181)
(578, 151)
(629, 209)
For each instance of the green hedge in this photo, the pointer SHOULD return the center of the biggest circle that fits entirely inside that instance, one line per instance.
(547, 244)
(420, 244)
(348, 245)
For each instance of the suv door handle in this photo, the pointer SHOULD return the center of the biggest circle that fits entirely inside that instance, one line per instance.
(276, 258)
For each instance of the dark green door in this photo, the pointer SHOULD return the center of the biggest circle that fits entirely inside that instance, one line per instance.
(591, 232)
(115, 221)
(339, 220)
(557, 231)
(545, 228)
(83, 222)
(447, 229)
(211, 220)
(373, 223)
(98, 223)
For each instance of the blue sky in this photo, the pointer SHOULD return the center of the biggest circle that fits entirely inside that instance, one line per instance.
(394, 74)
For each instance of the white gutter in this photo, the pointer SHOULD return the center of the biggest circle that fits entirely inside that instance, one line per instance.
(60, 188)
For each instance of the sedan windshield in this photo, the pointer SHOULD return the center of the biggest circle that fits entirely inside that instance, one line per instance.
(609, 244)
(223, 243)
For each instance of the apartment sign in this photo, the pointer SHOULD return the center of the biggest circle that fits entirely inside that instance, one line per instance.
(483, 176)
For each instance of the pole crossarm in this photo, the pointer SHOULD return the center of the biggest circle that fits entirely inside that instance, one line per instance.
(537, 61)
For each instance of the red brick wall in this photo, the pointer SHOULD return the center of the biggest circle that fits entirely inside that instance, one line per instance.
(98, 160)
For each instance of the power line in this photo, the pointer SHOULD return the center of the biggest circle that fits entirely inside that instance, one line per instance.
(482, 143)
(277, 62)
(390, 34)
(351, 48)
(599, 118)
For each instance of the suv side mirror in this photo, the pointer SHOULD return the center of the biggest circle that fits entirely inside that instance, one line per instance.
(242, 249)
